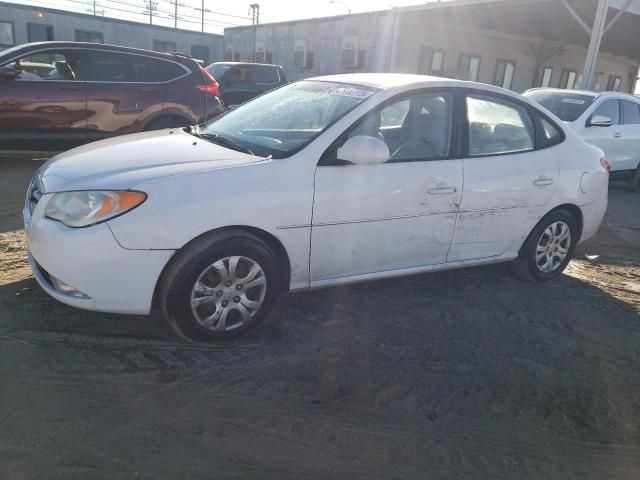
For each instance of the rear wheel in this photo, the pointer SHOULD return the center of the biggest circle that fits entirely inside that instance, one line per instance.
(220, 287)
(549, 247)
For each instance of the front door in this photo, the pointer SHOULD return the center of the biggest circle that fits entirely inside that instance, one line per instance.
(396, 215)
(44, 107)
(608, 138)
(507, 181)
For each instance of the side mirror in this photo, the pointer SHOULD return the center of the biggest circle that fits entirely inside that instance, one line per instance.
(600, 121)
(364, 150)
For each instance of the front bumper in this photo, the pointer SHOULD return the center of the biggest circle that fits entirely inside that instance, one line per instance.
(112, 278)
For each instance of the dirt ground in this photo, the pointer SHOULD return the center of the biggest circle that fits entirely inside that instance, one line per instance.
(456, 375)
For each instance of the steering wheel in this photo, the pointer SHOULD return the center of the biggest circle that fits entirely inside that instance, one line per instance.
(426, 142)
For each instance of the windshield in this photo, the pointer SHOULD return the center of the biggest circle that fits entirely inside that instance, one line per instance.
(287, 119)
(566, 106)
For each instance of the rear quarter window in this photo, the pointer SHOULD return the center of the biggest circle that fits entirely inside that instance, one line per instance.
(166, 71)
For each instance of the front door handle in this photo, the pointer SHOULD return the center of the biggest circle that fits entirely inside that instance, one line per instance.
(617, 135)
(442, 190)
(72, 87)
(543, 182)
(148, 90)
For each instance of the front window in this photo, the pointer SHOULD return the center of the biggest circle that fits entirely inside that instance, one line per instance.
(287, 119)
(218, 70)
(566, 106)
(47, 65)
(609, 109)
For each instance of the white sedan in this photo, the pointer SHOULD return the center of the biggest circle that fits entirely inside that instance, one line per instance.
(608, 120)
(322, 182)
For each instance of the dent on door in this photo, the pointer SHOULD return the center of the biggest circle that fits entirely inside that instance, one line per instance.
(375, 218)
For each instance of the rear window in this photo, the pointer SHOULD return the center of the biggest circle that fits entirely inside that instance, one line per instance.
(107, 66)
(566, 106)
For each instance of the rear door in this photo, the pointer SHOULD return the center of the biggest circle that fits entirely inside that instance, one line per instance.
(507, 180)
(44, 107)
(125, 91)
(608, 138)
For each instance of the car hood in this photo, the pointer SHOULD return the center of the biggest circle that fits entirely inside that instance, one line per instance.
(131, 160)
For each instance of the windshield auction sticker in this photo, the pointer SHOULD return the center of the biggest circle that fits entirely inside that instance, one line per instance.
(573, 100)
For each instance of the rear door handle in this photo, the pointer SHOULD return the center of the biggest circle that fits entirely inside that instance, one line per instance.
(148, 90)
(442, 190)
(617, 135)
(543, 182)
(72, 87)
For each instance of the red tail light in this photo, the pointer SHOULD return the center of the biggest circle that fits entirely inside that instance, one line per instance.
(210, 86)
(606, 164)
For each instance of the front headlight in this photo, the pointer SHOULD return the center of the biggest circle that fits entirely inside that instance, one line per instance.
(82, 209)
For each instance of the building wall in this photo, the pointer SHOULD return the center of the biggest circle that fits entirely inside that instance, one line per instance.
(322, 38)
(116, 32)
(414, 33)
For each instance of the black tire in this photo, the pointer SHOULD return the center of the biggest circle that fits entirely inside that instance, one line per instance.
(526, 267)
(180, 276)
(168, 121)
(634, 182)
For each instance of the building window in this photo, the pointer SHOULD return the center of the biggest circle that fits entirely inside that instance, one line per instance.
(200, 52)
(352, 56)
(614, 83)
(431, 61)
(505, 71)
(6, 34)
(568, 79)
(164, 46)
(39, 32)
(92, 37)
(469, 66)
(546, 77)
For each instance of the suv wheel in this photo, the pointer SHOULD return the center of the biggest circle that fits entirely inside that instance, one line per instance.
(220, 286)
(548, 249)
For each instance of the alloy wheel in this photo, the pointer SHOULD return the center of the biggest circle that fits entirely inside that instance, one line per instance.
(553, 247)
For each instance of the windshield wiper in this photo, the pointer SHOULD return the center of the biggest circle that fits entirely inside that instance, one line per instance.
(219, 139)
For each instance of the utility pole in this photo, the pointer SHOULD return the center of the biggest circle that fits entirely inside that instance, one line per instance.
(202, 28)
(150, 6)
(175, 24)
(254, 9)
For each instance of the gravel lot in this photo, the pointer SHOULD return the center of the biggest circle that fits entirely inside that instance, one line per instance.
(463, 374)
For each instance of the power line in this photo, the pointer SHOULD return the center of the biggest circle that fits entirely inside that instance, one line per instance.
(183, 17)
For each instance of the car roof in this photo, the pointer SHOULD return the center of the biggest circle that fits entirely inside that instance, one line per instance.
(246, 63)
(589, 93)
(17, 51)
(399, 81)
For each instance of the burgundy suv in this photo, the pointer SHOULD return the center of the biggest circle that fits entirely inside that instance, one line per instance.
(56, 95)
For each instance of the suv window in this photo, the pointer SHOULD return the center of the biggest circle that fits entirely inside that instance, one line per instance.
(610, 109)
(414, 128)
(263, 74)
(630, 112)
(107, 66)
(498, 126)
(48, 65)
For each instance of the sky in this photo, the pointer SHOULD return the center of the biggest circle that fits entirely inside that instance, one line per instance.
(220, 15)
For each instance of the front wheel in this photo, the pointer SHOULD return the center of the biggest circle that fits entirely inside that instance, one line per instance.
(219, 287)
(549, 247)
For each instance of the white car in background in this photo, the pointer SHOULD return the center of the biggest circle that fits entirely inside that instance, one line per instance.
(322, 182)
(608, 120)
